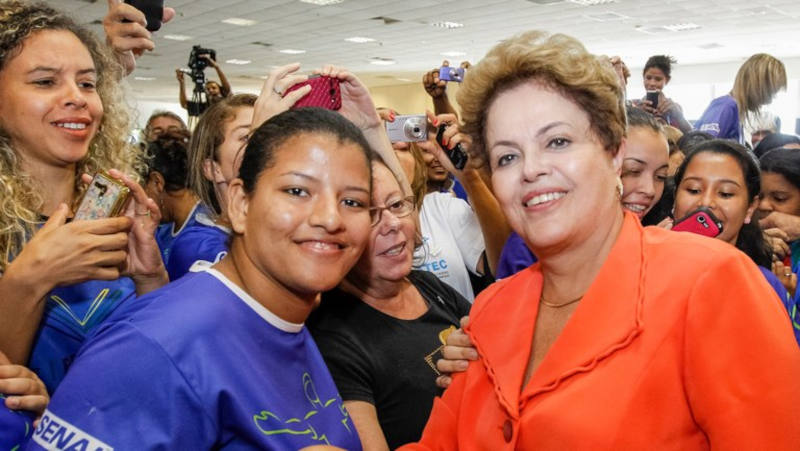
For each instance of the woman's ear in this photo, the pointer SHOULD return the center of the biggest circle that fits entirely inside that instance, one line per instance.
(751, 210)
(238, 203)
(212, 171)
(155, 185)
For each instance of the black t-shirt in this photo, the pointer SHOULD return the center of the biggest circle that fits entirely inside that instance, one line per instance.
(385, 361)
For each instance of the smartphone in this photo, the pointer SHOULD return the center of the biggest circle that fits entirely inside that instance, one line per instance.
(701, 222)
(104, 198)
(456, 155)
(408, 128)
(325, 93)
(153, 11)
(448, 73)
(652, 96)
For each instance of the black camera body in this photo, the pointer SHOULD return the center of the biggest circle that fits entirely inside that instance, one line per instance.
(198, 64)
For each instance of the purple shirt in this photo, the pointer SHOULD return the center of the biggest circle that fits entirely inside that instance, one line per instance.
(515, 257)
(721, 119)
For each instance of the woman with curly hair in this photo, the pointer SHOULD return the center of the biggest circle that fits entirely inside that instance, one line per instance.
(62, 116)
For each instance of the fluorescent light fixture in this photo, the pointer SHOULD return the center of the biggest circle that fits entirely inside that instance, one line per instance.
(447, 24)
(686, 26)
(144, 78)
(238, 62)
(592, 2)
(239, 21)
(177, 37)
(292, 51)
(359, 39)
(405, 80)
(322, 2)
(453, 54)
(383, 62)
(607, 16)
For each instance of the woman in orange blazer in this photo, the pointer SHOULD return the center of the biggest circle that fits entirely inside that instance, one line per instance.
(620, 337)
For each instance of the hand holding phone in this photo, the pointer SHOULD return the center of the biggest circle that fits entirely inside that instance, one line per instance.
(701, 222)
(456, 155)
(104, 198)
(325, 93)
(652, 97)
(153, 11)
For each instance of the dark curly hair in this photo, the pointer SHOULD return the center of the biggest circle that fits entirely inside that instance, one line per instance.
(661, 62)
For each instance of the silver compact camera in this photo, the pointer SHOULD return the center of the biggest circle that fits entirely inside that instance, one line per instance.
(409, 128)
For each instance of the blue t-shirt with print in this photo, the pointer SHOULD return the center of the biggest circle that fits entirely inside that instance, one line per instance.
(16, 426)
(71, 314)
(198, 364)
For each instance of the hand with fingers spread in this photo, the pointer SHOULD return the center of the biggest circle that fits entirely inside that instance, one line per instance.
(273, 98)
(457, 353)
(125, 31)
(22, 388)
(357, 105)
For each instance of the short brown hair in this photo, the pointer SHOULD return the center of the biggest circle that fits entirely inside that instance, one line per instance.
(558, 61)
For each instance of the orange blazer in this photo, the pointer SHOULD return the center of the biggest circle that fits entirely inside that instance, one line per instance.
(679, 344)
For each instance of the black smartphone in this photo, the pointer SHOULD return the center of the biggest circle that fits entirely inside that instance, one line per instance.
(652, 97)
(456, 155)
(153, 11)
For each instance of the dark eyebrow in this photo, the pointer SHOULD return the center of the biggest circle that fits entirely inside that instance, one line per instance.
(314, 179)
(539, 133)
(720, 181)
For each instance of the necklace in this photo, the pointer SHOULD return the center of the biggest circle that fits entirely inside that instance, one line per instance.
(563, 304)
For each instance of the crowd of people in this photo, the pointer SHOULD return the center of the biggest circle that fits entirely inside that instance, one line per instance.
(603, 273)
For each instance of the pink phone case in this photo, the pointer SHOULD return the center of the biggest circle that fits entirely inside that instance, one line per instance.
(701, 222)
(325, 93)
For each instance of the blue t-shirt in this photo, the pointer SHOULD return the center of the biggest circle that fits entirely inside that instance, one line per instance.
(199, 364)
(166, 233)
(514, 257)
(71, 314)
(202, 241)
(721, 119)
(15, 426)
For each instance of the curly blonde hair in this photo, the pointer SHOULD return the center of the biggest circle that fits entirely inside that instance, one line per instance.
(21, 195)
(558, 61)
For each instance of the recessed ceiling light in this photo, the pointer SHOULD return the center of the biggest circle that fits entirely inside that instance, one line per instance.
(239, 21)
(144, 78)
(238, 62)
(292, 51)
(592, 2)
(322, 2)
(359, 39)
(383, 62)
(453, 54)
(686, 26)
(710, 46)
(177, 37)
(447, 24)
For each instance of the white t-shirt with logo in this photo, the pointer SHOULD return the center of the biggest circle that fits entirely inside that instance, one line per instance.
(452, 241)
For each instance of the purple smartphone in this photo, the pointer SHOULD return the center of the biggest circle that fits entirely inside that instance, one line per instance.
(701, 222)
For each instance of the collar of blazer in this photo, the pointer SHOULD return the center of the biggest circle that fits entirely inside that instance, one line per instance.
(607, 320)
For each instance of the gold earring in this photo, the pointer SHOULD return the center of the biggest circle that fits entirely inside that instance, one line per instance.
(620, 187)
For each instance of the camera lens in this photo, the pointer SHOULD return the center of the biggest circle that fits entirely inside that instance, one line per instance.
(701, 219)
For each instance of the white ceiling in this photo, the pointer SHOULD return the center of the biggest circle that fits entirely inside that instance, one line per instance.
(727, 30)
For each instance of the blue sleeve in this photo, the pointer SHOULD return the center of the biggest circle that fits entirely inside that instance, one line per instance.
(124, 392)
(15, 426)
(515, 257)
(186, 250)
